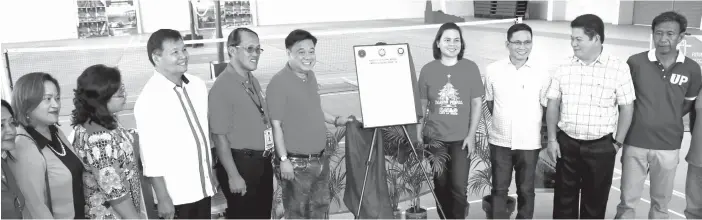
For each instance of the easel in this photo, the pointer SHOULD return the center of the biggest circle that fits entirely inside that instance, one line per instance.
(360, 56)
(368, 162)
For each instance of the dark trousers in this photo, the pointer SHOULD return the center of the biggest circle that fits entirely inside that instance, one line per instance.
(257, 172)
(584, 170)
(523, 162)
(307, 196)
(196, 210)
(450, 186)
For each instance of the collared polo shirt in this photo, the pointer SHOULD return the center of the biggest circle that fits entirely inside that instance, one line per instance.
(658, 111)
(694, 156)
(590, 95)
(173, 136)
(234, 112)
(296, 103)
(518, 96)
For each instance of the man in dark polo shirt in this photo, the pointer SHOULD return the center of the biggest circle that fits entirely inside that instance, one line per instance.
(299, 130)
(693, 183)
(240, 126)
(666, 85)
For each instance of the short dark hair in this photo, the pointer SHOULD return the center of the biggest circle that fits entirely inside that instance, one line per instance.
(591, 25)
(670, 16)
(7, 105)
(297, 36)
(28, 93)
(444, 27)
(234, 38)
(516, 28)
(94, 89)
(155, 43)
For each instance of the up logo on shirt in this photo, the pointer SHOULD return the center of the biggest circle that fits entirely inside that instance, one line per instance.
(678, 79)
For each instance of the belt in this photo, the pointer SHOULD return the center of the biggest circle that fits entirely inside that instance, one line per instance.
(306, 156)
(603, 138)
(248, 152)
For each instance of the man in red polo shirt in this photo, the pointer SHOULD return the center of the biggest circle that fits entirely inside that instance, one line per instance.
(666, 84)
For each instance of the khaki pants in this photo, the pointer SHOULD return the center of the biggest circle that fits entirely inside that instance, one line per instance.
(637, 163)
(693, 192)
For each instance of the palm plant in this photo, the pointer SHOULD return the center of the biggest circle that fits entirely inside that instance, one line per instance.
(481, 179)
(396, 185)
(336, 157)
(408, 167)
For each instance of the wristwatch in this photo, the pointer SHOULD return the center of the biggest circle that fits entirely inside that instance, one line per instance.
(619, 144)
(283, 158)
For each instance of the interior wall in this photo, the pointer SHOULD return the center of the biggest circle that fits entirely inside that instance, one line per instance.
(165, 14)
(38, 20)
(608, 10)
(559, 10)
(626, 12)
(538, 10)
(461, 8)
(276, 12)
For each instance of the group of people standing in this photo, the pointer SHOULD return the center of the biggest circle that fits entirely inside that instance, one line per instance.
(594, 104)
(165, 170)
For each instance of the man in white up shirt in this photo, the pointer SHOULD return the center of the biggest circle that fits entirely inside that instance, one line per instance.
(515, 89)
(171, 117)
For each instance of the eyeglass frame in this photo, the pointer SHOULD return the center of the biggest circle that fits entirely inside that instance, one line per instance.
(250, 49)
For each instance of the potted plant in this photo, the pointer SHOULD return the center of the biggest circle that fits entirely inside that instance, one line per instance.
(336, 157)
(409, 166)
(481, 179)
(396, 185)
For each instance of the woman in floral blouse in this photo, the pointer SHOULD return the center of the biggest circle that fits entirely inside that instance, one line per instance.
(112, 180)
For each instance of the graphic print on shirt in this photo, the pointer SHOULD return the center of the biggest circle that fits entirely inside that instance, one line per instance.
(448, 99)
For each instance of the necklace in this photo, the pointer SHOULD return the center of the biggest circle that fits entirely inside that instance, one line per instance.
(63, 147)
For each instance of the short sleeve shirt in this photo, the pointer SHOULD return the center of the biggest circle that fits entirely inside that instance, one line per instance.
(234, 110)
(518, 96)
(449, 91)
(694, 156)
(297, 104)
(660, 95)
(590, 95)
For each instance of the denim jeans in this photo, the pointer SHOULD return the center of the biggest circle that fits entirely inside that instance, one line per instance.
(307, 196)
(503, 161)
(451, 185)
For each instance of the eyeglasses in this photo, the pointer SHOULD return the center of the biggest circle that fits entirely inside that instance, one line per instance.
(251, 49)
(121, 93)
(521, 43)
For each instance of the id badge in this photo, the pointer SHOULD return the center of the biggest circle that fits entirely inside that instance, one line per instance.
(268, 139)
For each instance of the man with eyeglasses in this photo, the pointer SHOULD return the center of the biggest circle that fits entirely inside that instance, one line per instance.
(514, 90)
(241, 131)
(667, 84)
(299, 130)
(591, 97)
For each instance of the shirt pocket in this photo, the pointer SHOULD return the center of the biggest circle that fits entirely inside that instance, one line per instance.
(602, 92)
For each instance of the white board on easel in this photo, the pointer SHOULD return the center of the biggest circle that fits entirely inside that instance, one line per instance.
(385, 85)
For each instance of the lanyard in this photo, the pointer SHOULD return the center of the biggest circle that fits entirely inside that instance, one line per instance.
(259, 104)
